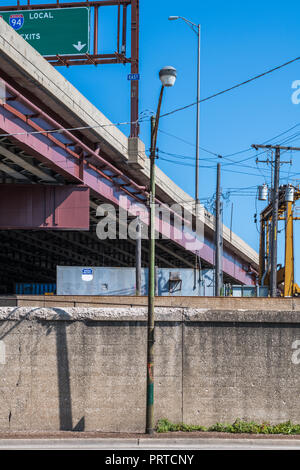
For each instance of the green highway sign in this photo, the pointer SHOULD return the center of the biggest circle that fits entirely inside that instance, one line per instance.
(63, 31)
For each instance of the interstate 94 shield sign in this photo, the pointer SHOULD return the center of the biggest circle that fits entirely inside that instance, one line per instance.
(16, 21)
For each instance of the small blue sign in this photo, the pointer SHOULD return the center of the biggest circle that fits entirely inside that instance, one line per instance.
(133, 76)
(87, 271)
(16, 21)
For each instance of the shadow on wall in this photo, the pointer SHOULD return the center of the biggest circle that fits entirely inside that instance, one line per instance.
(63, 376)
(63, 371)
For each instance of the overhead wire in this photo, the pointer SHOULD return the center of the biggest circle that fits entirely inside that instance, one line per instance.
(146, 118)
(226, 157)
(206, 166)
(232, 87)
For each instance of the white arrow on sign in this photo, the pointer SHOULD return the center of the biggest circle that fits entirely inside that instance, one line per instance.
(79, 46)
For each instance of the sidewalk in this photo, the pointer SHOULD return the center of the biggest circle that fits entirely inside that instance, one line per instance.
(165, 445)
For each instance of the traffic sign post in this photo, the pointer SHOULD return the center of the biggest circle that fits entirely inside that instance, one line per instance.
(57, 31)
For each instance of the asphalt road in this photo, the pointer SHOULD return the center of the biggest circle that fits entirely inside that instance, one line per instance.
(149, 444)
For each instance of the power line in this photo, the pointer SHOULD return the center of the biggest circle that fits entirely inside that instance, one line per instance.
(249, 149)
(225, 169)
(206, 166)
(189, 143)
(208, 151)
(239, 152)
(233, 87)
(143, 119)
(184, 157)
(60, 130)
(242, 188)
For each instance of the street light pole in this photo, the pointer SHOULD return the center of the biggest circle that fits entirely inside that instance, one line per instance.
(197, 127)
(168, 77)
(197, 29)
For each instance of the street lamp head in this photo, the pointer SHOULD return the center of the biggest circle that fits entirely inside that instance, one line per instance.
(168, 75)
(173, 18)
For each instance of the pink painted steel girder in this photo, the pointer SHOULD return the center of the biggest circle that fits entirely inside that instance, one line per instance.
(44, 207)
(126, 182)
(68, 134)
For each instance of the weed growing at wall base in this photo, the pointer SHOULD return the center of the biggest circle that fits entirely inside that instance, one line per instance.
(239, 426)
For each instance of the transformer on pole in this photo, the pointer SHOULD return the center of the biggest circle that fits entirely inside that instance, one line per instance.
(280, 200)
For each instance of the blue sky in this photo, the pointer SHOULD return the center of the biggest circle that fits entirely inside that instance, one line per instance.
(238, 40)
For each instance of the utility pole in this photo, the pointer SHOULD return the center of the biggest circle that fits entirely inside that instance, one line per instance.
(275, 203)
(138, 256)
(218, 236)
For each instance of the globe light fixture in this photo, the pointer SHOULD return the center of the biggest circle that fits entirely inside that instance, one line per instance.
(168, 75)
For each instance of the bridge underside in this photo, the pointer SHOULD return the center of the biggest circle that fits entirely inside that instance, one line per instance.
(32, 256)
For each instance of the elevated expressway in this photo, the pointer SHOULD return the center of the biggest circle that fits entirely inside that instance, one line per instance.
(36, 97)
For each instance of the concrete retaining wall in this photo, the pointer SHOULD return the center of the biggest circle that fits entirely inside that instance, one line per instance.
(85, 368)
